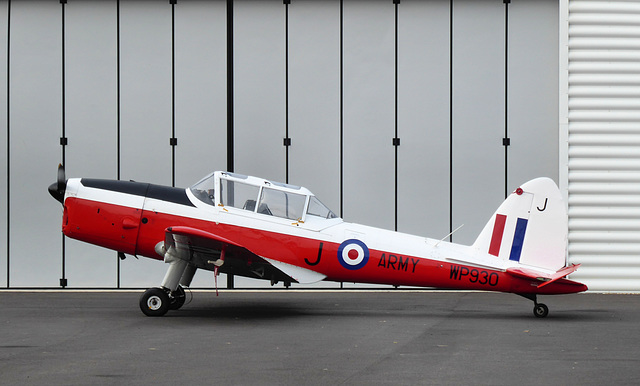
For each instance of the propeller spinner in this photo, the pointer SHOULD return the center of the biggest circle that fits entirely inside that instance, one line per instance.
(58, 188)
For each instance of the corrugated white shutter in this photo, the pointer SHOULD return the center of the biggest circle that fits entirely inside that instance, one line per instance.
(604, 143)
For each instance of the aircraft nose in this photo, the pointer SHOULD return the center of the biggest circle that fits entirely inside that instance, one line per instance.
(58, 188)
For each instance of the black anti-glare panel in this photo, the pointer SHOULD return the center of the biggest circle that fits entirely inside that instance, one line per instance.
(159, 192)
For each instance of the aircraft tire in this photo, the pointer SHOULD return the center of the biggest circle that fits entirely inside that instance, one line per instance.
(540, 310)
(155, 302)
(178, 298)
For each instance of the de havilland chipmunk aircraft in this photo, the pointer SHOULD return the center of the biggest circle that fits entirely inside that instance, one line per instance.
(248, 226)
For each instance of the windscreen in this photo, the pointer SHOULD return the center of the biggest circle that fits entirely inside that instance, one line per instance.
(317, 208)
(204, 190)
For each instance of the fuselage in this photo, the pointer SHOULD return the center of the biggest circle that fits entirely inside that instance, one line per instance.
(132, 218)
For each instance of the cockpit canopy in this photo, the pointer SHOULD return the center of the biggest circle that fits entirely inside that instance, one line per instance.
(259, 196)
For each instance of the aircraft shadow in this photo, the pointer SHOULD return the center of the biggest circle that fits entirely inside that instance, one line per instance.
(273, 311)
(240, 311)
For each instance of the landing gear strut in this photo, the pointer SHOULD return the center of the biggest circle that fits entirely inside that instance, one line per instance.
(177, 298)
(540, 310)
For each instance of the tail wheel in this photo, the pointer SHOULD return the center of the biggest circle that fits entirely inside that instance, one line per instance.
(540, 310)
(155, 302)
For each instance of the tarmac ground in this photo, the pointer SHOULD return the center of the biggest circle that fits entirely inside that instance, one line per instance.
(319, 337)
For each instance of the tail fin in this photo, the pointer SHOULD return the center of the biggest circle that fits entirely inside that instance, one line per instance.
(530, 227)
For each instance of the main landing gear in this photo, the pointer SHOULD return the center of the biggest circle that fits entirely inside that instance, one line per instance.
(157, 301)
(540, 310)
(170, 296)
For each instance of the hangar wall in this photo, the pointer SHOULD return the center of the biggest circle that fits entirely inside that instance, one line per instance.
(117, 79)
(601, 151)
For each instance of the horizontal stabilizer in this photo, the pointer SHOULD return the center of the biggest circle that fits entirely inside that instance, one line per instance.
(541, 276)
(477, 261)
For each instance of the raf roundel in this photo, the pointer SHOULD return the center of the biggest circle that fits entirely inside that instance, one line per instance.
(353, 254)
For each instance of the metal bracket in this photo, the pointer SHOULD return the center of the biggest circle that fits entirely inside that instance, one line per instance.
(286, 141)
(396, 141)
(173, 141)
(64, 141)
(506, 141)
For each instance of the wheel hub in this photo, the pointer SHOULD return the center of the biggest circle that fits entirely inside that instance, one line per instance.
(154, 303)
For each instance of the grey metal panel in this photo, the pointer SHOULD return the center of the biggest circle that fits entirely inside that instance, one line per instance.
(314, 98)
(201, 89)
(3, 134)
(259, 88)
(145, 99)
(201, 93)
(533, 91)
(478, 114)
(259, 93)
(91, 122)
(314, 101)
(35, 114)
(423, 118)
(369, 85)
(145, 65)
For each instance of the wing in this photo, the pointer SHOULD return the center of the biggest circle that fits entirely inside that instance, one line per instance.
(204, 250)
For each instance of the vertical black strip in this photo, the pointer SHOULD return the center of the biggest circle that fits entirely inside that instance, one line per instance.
(8, 140)
(341, 113)
(118, 90)
(286, 88)
(230, 106)
(451, 120)
(64, 128)
(506, 99)
(118, 113)
(396, 121)
(63, 280)
(173, 94)
(230, 96)
(341, 108)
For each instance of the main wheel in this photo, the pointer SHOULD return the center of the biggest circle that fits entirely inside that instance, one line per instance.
(540, 310)
(155, 302)
(177, 298)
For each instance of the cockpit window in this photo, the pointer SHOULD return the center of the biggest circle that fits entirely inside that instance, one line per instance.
(316, 208)
(204, 191)
(281, 204)
(238, 194)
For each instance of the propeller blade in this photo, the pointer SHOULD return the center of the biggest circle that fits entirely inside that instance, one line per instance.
(62, 181)
(58, 188)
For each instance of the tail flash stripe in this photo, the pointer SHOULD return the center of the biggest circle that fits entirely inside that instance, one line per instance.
(518, 239)
(496, 237)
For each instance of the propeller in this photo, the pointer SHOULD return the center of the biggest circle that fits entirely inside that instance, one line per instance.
(58, 188)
